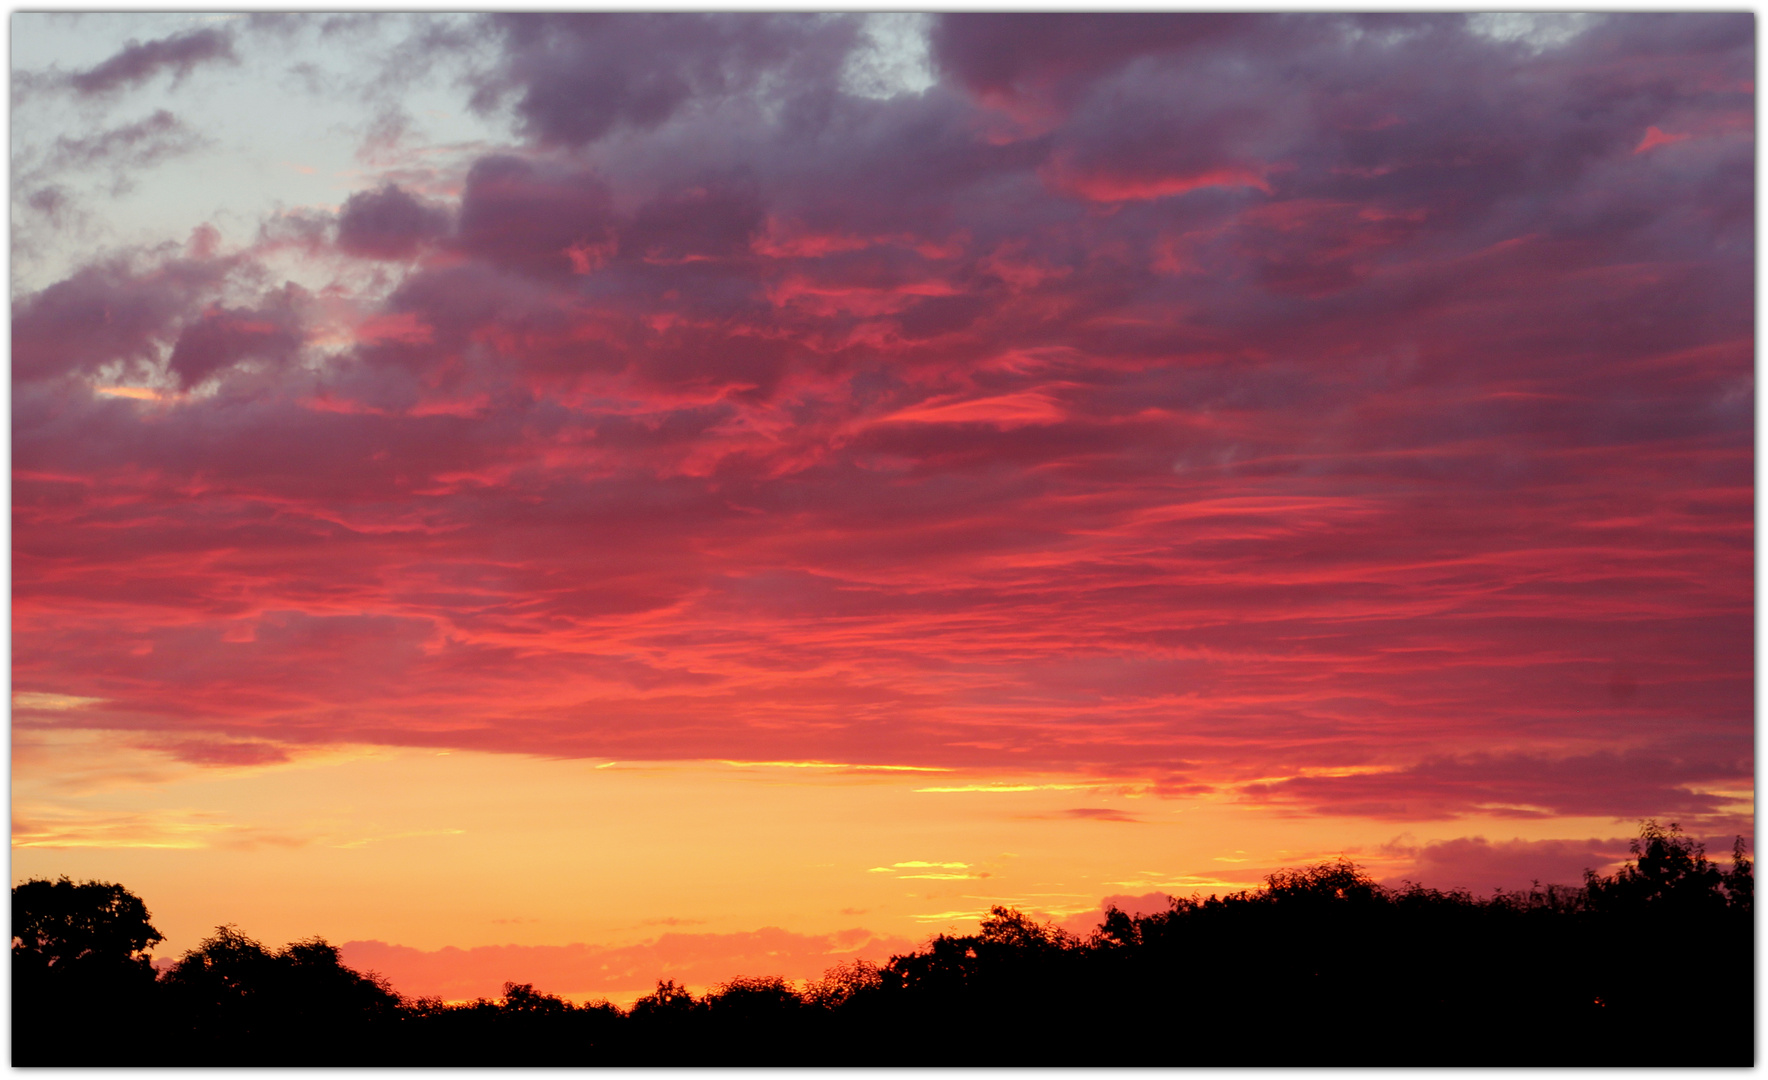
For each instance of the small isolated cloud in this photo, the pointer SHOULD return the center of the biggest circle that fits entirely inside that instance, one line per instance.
(1004, 788)
(1537, 31)
(1100, 813)
(222, 752)
(1006, 411)
(952, 916)
(891, 58)
(62, 829)
(1655, 137)
(364, 841)
(38, 700)
(842, 766)
(121, 152)
(142, 60)
(932, 871)
(52, 201)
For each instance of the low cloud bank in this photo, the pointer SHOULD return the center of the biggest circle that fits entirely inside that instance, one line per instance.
(620, 972)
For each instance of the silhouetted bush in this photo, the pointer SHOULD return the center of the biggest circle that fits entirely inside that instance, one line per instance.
(1321, 966)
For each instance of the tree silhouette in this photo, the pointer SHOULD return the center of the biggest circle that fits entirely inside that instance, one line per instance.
(844, 983)
(230, 996)
(82, 979)
(669, 1000)
(523, 998)
(1670, 870)
(1322, 965)
(63, 927)
(1340, 881)
(1740, 880)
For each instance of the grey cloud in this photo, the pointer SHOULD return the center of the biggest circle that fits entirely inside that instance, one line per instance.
(140, 61)
(135, 146)
(388, 223)
(106, 313)
(222, 337)
(581, 76)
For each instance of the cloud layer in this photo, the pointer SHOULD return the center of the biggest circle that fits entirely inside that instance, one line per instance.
(588, 971)
(1354, 413)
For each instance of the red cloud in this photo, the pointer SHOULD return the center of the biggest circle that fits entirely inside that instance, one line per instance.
(1639, 784)
(1654, 137)
(1107, 188)
(1413, 478)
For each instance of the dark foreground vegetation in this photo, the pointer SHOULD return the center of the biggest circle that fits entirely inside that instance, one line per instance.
(1650, 966)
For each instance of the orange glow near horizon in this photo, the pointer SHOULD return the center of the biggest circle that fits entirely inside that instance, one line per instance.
(672, 866)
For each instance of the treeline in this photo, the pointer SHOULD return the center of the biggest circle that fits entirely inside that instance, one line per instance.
(1650, 966)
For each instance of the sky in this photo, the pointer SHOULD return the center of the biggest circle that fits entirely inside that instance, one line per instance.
(584, 499)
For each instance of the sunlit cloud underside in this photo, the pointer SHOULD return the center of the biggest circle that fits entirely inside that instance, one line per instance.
(458, 458)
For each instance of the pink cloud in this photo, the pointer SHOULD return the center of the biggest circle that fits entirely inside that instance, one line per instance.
(1635, 785)
(700, 960)
(1113, 189)
(1007, 410)
(1144, 904)
(1654, 138)
(401, 327)
(1481, 866)
(1100, 813)
(1414, 477)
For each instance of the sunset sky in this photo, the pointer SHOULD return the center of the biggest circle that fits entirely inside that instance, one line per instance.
(586, 499)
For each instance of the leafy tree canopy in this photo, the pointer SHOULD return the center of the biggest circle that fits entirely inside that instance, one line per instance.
(62, 924)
